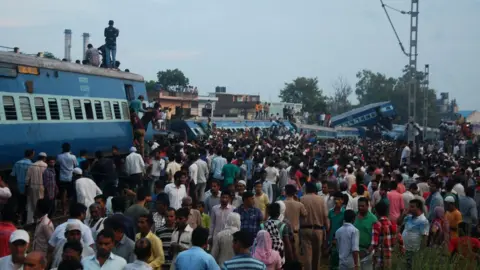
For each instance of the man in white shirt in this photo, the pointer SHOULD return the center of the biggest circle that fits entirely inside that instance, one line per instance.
(134, 167)
(176, 191)
(182, 236)
(5, 192)
(202, 176)
(173, 167)
(158, 165)
(77, 215)
(73, 232)
(86, 189)
(405, 159)
(18, 242)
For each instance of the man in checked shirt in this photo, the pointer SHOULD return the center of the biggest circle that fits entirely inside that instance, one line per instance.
(385, 235)
(50, 185)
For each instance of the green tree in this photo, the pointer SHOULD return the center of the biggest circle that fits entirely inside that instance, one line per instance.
(377, 87)
(172, 79)
(305, 91)
(339, 103)
(49, 55)
(151, 86)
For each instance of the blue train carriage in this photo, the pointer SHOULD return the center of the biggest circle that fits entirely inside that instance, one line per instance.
(319, 131)
(347, 133)
(198, 127)
(366, 116)
(45, 102)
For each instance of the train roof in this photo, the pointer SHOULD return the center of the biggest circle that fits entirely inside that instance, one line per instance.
(40, 62)
(358, 110)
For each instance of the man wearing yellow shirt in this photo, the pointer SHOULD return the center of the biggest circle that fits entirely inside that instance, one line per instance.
(261, 199)
(157, 258)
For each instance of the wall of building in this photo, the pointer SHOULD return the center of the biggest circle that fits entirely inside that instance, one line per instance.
(201, 105)
(474, 118)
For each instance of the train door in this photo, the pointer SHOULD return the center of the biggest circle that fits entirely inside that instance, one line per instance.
(129, 92)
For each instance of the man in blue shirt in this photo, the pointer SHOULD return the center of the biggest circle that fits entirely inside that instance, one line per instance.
(104, 258)
(19, 171)
(242, 241)
(251, 216)
(196, 258)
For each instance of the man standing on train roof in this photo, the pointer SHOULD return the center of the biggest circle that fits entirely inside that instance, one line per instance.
(111, 34)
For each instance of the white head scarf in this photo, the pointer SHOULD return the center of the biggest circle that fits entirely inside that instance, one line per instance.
(233, 222)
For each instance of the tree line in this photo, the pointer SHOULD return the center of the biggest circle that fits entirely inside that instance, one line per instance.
(371, 87)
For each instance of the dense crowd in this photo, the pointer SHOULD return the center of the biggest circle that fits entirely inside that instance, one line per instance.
(252, 199)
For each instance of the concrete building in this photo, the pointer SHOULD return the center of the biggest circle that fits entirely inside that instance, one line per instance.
(471, 116)
(203, 101)
(234, 105)
(187, 101)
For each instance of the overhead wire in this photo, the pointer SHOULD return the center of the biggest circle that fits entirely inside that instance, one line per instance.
(384, 6)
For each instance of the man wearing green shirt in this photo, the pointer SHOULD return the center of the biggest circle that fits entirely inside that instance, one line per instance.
(336, 217)
(229, 172)
(137, 105)
(364, 223)
(383, 194)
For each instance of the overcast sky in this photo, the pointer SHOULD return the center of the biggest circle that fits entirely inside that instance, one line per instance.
(255, 46)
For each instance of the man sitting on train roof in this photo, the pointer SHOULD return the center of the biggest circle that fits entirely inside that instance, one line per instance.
(92, 56)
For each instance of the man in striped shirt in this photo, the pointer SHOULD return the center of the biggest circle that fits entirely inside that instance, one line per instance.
(165, 234)
(242, 241)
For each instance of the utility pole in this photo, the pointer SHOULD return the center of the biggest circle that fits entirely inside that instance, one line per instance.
(425, 100)
(412, 91)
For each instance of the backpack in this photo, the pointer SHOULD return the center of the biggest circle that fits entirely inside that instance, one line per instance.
(272, 227)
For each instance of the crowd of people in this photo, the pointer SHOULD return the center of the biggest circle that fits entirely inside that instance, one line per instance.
(241, 200)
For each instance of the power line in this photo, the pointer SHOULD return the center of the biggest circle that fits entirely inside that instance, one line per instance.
(384, 6)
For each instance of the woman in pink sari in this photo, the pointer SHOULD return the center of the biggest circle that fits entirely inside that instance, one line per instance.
(263, 251)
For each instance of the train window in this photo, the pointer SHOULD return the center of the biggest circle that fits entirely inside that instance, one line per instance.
(9, 107)
(67, 114)
(129, 92)
(53, 106)
(98, 110)
(88, 109)
(126, 113)
(108, 110)
(77, 109)
(116, 110)
(25, 108)
(40, 108)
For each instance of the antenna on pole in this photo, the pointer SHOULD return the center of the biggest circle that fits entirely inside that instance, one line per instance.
(425, 100)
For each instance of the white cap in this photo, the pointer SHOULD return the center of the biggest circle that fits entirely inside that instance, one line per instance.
(133, 149)
(42, 154)
(73, 227)
(241, 182)
(181, 144)
(77, 171)
(19, 235)
(450, 199)
(229, 145)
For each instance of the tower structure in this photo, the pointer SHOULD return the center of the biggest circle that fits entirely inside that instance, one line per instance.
(86, 41)
(68, 44)
(412, 64)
